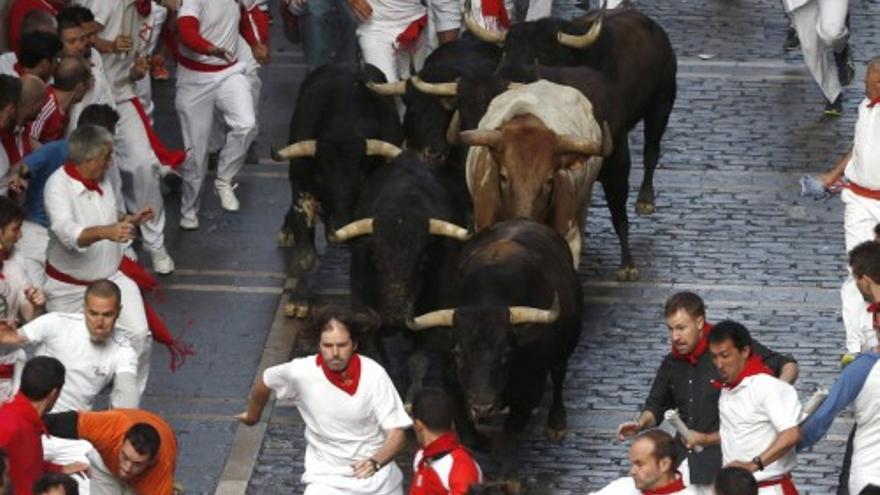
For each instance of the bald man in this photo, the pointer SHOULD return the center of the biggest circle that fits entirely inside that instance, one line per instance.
(16, 143)
(72, 80)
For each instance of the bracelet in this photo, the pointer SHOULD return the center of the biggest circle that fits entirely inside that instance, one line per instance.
(376, 464)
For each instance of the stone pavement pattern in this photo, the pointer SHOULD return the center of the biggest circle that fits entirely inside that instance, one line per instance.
(729, 225)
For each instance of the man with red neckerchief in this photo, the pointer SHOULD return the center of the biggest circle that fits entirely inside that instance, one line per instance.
(653, 458)
(683, 383)
(20, 8)
(354, 417)
(443, 466)
(858, 174)
(759, 412)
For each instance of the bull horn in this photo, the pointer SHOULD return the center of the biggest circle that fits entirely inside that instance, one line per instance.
(396, 88)
(436, 89)
(515, 85)
(357, 228)
(583, 40)
(439, 318)
(479, 31)
(454, 128)
(568, 143)
(296, 150)
(524, 314)
(377, 147)
(447, 229)
(480, 137)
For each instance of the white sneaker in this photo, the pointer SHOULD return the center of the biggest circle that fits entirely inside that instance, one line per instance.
(189, 223)
(226, 191)
(162, 262)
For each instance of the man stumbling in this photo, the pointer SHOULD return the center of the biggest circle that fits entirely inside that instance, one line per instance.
(653, 457)
(355, 420)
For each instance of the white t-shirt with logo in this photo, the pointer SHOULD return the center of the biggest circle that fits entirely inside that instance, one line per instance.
(89, 367)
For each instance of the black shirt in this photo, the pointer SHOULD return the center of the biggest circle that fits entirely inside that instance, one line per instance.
(678, 385)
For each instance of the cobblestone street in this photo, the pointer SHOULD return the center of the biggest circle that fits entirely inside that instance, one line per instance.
(730, 225)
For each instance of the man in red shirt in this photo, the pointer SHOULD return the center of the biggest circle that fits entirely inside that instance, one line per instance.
(442, 466)
(20, 8)
(72, 80)
(22, 428)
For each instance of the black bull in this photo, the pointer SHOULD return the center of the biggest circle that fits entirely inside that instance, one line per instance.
(517, 318)
(341, 131)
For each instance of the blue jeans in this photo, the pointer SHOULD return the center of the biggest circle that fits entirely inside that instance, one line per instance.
(328, 32)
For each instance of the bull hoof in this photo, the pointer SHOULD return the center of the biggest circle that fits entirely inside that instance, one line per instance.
(285, 239)
(555, 435)
(294, 310)
(627, 274)
(645, 207)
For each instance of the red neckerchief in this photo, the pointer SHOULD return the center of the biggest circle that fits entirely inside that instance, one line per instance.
(874, 102)
(441, 446)
(19, 69)
(346, 380)
(408, 40)
(73, 173)
(23, 408)
(495, 8)
(675, 486)
(874, 309)
(754, 366)
(699, 350)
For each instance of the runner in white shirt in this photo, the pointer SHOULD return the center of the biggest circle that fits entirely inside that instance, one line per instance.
(87, 236)
(19, 301)
(212, 83)
(354, 417)
(122, 40)
(95, 354)
(652, 458)
(759, 413)
(860, 170)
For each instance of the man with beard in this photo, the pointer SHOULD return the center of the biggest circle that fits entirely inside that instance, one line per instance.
(683, 383)
(355, 420)
(653, 458)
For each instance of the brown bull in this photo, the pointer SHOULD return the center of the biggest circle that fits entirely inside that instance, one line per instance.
(536, 155)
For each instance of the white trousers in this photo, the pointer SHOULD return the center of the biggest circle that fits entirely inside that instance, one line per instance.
(139, 170)
(443, 15)
(539, 9)
(378, 48)
(860, 215)
(103, 482)
(200, 97)
(251, 72)
(821, 28)
(388, 481)
(30, 250)
(69, 298)
(66, 451)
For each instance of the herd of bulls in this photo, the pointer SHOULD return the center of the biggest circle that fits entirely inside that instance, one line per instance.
(505, 133)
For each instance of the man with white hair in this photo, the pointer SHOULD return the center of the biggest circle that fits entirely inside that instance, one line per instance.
(87, 236)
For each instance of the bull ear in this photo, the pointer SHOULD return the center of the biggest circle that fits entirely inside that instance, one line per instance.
(484, 184)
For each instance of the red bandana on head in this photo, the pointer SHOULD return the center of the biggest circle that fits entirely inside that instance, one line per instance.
(699, 350)
(91, 185)
(674, 487)
(346, 380)
(754, 366)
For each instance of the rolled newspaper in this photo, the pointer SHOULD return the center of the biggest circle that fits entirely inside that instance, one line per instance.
(814, 402)
(682, 429)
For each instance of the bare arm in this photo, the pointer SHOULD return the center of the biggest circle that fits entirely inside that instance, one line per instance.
(260, 394)
(831, 176)
(704, 439)
(789, 373)
(785, 441)
(8, 336)
(645, 420)
(395, 441)
(117, 232)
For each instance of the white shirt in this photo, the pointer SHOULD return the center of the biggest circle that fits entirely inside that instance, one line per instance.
(89, 367)
(627, 486)
(864, 167)
(120, 17)
(218, 23)
(16, 358)
(752, 416)
(392, 15)
(12, 290)
(866, 443)
(71, 209)
(7, 64)
(340, 428)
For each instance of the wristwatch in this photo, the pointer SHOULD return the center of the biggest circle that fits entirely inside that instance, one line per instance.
(758, 462)
(377, 465)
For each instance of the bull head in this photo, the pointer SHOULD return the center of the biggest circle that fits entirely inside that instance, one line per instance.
(519, 315)
(309, 147)
(365, 227)
(479, 31)
(565, 143)
(582, 41)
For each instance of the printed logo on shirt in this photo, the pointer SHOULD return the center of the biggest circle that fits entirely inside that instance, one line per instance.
(102, 371)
